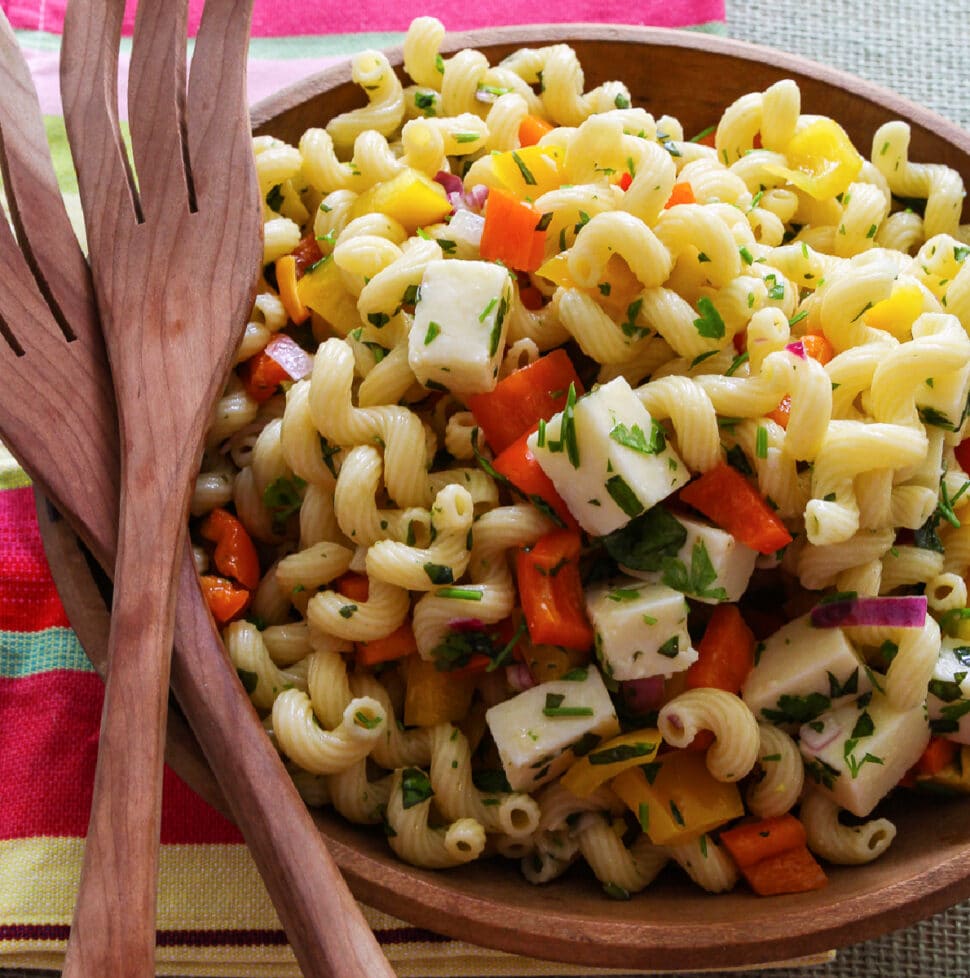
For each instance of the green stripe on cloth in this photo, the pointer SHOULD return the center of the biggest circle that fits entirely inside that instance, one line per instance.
(12, 476)
(24, 654)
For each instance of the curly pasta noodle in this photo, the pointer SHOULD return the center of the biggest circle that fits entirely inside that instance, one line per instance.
(399, 746)
(844, 845)
(782, 774)
(912, 666)
(614, 865)
(420, 844)
(513, 813)
(444, 561)
(262, 678)
(736, 740)
(941, 186)
(692, 417)
(491, 594)
(334, 414)
(819, 566)
(359, 621)
(320, 751)
(706, 863)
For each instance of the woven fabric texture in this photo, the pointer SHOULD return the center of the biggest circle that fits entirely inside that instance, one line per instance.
(919, 50)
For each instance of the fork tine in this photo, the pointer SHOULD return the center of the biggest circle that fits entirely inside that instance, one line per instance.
(215, 150)
(89, 85)
(42, 226)
(156, 102)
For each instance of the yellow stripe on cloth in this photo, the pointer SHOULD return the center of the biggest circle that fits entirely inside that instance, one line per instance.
(209, 897)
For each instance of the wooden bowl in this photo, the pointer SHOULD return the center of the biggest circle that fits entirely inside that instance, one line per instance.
(672, 925)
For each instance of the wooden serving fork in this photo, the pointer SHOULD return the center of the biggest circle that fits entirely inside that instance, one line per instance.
(57, 414)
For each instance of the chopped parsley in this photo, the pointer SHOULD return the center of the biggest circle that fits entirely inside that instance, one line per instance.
(710, 324)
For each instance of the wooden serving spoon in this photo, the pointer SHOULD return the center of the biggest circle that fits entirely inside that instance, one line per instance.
(175, 292)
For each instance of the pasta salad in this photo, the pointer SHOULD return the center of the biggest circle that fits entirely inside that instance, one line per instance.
(589, 491)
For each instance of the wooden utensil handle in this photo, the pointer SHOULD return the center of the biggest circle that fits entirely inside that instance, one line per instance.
(113, 930)
(300, 874)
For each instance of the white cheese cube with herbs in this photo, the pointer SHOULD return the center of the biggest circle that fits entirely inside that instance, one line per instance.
(541, 731)
(641, 629)
(458, 335)
(801, 671)
(858, 752)
(948, 699)
(711, 565)
(608, 459)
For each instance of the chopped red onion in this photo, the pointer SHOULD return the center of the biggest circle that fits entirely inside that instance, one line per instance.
(814, 739)
(904, 611)
(798, 348)
(475, 197)
(519, 677)
(290, 356)
(643, 695)
(450, 182)
(466, 624)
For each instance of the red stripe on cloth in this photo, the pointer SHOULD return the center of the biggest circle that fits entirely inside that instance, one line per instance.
(274, 19)
(28, 598)
(48, 747)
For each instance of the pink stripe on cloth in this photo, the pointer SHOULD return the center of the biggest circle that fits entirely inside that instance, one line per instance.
(271, 18)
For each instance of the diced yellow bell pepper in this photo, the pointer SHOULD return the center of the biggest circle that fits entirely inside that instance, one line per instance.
(530, 171)
(896, 314)
(823, 160)
(678, 799)
(617, 289)
(289, 294)
(953, 779)
(610, 759)
(320, 289)
(548, 662)
(433, 696)
(410, 198)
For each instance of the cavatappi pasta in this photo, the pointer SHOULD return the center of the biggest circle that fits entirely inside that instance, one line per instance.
(586, 493)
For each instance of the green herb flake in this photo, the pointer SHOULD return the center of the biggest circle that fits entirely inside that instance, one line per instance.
(415, 787)
(434, 330)
(624, 497)
(622, 752)
(761, 442)
(348, 610)
(523, 169)
(439, 573)
(736, 364)
(283, 497)
(710, 324)
(635, 439)
(367, 722)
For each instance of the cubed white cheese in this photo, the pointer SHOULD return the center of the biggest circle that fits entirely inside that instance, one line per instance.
(536, 731)
(715, 566)
(948, 700)
(858, 752)
(641, 629)
(801, 671)
(607, 458)
(458, 335)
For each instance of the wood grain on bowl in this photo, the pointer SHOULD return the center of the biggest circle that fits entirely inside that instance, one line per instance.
(671, 925)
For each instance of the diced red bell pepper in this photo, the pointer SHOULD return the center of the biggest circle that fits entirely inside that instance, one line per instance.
(225, 599)
(262, 375)
(511, 233)
(726, 498)
(725, 653)
(235, 554)
(551, 592)
(522, 469)
(519, 401)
